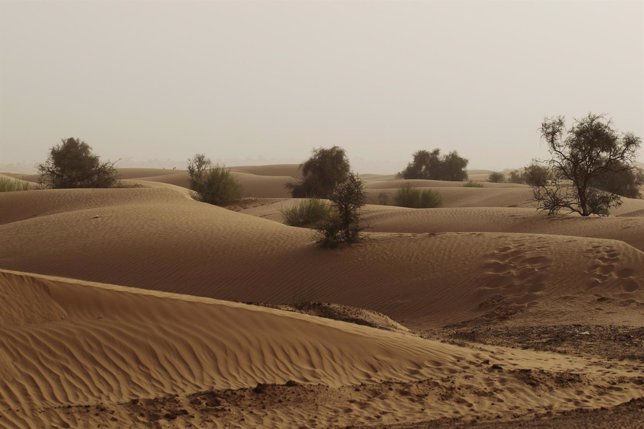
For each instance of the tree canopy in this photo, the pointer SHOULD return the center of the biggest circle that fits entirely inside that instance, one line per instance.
(73, 164)
(322, 172)
(581, 158)
(431, 165)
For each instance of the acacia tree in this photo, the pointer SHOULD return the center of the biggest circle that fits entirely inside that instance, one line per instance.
(579, 156)
(431, 165)
(322, 172)
(73, 164)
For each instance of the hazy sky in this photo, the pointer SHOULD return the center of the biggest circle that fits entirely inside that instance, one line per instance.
(265, 82)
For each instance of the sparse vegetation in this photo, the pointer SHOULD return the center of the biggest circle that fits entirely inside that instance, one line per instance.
(383, 198)
(417, 198)
(212, 184)
(516, 176)
(496, 177)
(7, 184)
(431, 165)
(310, 212)
(322, 173)
(72, 164)
(589, 151)
(343, 225)
(536, 175)
(471, 184)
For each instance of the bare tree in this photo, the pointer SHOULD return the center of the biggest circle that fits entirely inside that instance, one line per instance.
(589, 149)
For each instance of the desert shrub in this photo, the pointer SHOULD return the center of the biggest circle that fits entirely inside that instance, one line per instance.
(536, 175)
(72, 164)
(431, 165)
(7, 184)
(516, 176)
(471, 184)
(212, 184)
(496, 177)
(582, 156)
(309, 212)
(625, 181)
(343, 224)
(417, 198)
(321, 173)
(383, 198)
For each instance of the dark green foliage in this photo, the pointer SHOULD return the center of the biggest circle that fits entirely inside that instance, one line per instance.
(471, 184)
(343, 226)
(496, 177)
(417, 198)
(72, 164)
(212, 184)
(431, 165)
(322, 173)
(581, 156)
(310, 212)
(516, 176)
(536, 175)
(625, 182)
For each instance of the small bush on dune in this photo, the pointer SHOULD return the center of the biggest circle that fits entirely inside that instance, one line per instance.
(343, 225)
(417, 198)
(307, 213)
(496, 177)
(471, 184)
(73, 164)
(8, 184)
(212, 184)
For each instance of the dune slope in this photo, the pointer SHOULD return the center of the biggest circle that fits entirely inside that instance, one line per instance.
(159, 239)
(92, 354)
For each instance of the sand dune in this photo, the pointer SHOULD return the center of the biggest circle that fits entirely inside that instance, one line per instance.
(91, 354)
(160, 239)
(252, 185)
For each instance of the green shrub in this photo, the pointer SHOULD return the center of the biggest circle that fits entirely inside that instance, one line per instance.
(10, 185)
(307, 213)
(343, 225)
(470, 184)
(496, 177)
(73, 164)
(325, 170)
(212, 184)
(417, 198)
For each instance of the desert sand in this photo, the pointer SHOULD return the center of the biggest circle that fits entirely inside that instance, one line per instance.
(140, 307)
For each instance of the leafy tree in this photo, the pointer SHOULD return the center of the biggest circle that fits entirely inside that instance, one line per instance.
(343, 226)
(431, 165)
(496, 177)
(322, 173)
(72, 164)
(589, 150)
(212, 184)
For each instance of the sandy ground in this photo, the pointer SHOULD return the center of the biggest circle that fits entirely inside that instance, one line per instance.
(482, 313)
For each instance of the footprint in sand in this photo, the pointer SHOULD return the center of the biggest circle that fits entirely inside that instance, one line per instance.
(516, 270)
(605, 268)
